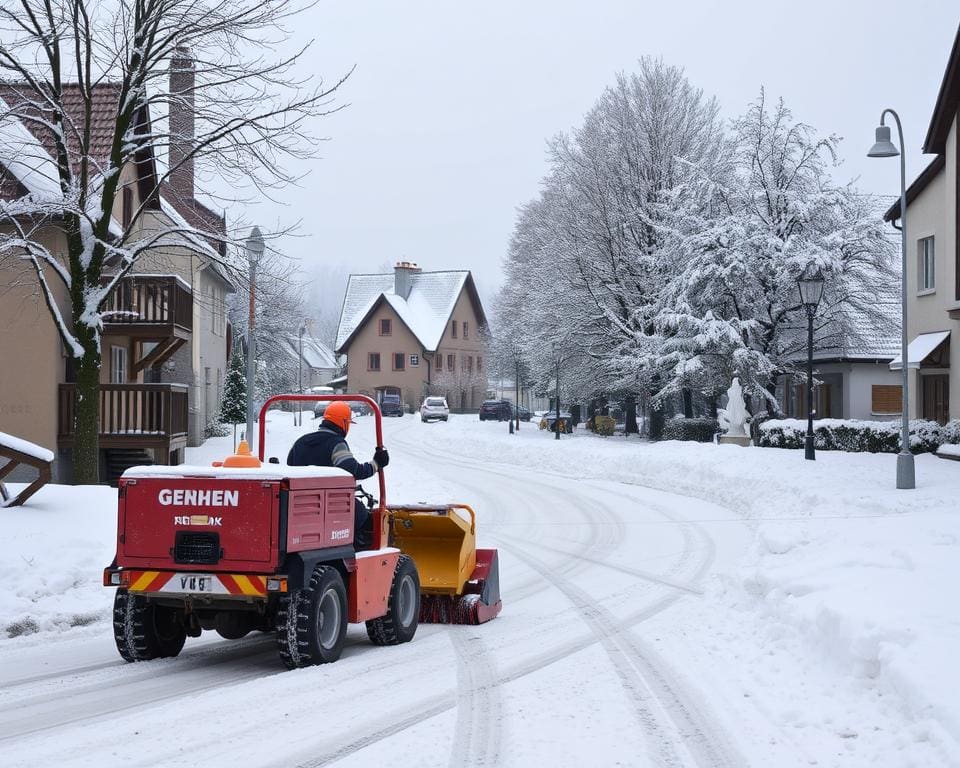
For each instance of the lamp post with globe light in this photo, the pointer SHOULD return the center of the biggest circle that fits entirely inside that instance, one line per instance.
(811, 291)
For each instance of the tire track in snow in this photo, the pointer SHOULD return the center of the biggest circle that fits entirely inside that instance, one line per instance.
(637, 666)
(606, 536)
(640, 669)
(432, 706)
(476, 738)
(93, 697)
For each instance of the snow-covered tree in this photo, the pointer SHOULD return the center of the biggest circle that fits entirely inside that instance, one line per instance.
(233, 403)
(589, 248)
(58, 59)
(280, 311)
(738, 244)
(662, 254)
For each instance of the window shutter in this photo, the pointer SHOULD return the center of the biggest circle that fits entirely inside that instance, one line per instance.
(886, 399)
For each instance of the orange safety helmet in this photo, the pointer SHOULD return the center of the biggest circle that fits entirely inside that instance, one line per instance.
(339, 414)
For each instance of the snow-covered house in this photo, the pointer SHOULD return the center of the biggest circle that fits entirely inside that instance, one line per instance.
(933, 260)
(412, 333)
(165, 322)
(316, 361)
(852, 377)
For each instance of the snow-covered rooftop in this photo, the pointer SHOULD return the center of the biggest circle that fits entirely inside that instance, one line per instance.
(866, 327)
(26, 158)
(425, 311)
(316, 354)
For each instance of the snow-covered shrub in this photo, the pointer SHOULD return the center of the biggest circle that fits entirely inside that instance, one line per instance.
(851, 435)
(700, 430)
(215, 428)
(950, 432)
(602, 425)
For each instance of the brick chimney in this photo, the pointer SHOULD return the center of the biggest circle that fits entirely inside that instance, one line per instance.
(403, 272)
(182, 81)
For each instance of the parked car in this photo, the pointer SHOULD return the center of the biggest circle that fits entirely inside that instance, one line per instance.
(359, 409)
(319, 408)
(391, 405)
(434, 408)
(496, 410)
(523, 413)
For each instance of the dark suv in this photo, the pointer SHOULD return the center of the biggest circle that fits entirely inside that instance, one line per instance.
(496, 410)
(391, 405)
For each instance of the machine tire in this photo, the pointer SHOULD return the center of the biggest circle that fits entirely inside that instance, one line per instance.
(400, 622)
(144, 630)
(303, 635)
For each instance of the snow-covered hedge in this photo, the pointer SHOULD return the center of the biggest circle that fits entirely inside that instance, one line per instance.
(602, 425)
(858, 436)
(701, 430)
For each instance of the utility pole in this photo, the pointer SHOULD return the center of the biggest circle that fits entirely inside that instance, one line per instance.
(255, 247)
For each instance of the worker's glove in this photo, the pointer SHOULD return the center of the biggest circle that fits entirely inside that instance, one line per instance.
(381, 457)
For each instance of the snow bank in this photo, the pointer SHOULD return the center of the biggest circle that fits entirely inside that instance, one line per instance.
(861, 573)
(56, 549)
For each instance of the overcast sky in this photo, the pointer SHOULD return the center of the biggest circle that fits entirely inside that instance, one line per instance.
(451, 104)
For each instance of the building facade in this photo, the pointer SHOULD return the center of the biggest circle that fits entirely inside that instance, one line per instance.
(415, 333)
(165, 336)
(933, 261)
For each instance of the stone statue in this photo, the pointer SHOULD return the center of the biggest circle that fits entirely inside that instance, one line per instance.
(733, 419)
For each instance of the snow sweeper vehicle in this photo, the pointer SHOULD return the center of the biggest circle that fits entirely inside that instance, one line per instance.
(243, 545)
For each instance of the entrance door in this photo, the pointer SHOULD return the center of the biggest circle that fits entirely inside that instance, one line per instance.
(935, 404)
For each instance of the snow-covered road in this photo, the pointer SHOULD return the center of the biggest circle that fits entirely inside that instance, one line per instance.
(613, 648)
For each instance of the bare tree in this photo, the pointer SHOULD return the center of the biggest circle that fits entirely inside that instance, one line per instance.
(72, 65)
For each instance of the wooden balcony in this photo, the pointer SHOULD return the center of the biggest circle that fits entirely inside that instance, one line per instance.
(151, 307)
(131, 416)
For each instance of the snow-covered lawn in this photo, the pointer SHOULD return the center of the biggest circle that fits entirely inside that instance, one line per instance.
(825, 613)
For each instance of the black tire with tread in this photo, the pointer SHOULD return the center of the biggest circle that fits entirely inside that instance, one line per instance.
(298, 624)
(390, 629)
(143, 630)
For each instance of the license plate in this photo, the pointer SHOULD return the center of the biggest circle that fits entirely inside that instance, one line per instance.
(191, 582)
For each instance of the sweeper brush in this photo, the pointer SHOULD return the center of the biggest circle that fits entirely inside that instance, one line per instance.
(459, 584)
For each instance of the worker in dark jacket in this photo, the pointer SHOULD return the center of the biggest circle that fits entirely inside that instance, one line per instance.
(327, 447)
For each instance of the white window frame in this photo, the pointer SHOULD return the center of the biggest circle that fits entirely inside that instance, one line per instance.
(414, 361)
(118, 364)
(926, 265)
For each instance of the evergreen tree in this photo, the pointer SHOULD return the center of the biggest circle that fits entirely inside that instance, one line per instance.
(233, 405)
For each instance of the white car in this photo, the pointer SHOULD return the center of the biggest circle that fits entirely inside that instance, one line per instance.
(434, 408)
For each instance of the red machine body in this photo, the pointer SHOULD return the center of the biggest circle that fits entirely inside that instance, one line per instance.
(242, 545)
(243, 516)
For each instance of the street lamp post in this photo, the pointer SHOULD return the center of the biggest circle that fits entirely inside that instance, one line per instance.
(517, 395)
(883, 147)
(811, 291)
(303, 328)
(255, 247)
(556, 422)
